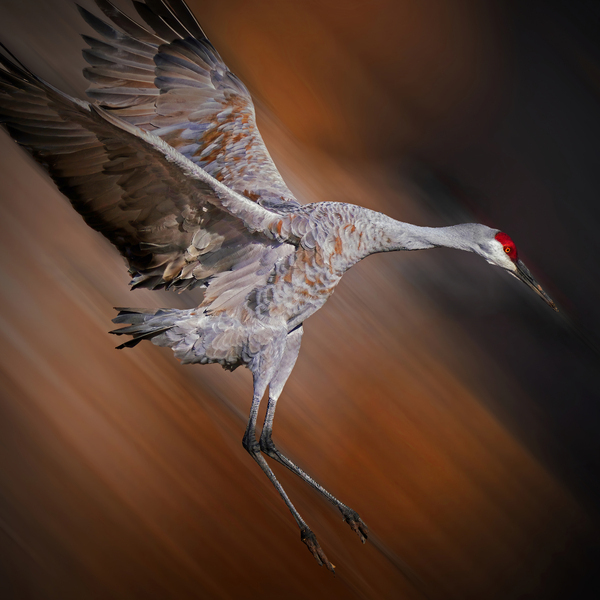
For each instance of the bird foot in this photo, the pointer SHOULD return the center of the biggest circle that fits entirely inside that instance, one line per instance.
(308, 537)
(356, 523)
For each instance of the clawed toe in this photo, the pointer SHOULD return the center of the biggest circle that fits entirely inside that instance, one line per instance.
(308, 537)
(356, 523)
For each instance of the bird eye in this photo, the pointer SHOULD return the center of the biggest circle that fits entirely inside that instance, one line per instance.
(507, 249)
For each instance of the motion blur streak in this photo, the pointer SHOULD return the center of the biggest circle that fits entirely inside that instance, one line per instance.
(454, 412)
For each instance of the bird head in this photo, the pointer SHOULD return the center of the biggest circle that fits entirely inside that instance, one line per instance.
(502, 252)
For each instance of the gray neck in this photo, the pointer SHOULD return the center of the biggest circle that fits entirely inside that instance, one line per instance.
(395, 235)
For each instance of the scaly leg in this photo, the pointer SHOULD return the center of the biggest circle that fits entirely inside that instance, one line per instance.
(262, 373)
(268, 447)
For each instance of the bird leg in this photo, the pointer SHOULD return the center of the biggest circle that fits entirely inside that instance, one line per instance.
(268, 447)
(250, 443)
(350, 516)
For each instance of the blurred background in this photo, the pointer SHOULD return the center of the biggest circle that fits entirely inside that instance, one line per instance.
(434, 394)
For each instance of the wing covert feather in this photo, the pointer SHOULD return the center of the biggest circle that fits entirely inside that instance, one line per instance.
(194, 102)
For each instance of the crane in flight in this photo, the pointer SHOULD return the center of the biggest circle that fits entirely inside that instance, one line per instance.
(166, 161)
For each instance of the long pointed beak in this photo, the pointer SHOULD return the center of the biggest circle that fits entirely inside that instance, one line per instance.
(525, 276)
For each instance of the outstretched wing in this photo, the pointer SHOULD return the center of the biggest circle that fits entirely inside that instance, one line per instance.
(171, 81)
(176, 225)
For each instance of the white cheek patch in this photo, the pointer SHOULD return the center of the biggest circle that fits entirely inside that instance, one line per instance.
(499, 257)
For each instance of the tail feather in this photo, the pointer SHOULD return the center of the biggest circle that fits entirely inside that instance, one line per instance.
(144, 324)
(194, 336)
(135, 315)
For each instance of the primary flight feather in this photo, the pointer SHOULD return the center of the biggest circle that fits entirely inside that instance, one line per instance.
(168, 164)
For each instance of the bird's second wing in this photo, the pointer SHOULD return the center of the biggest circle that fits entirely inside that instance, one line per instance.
(175, 224)
(172, 81)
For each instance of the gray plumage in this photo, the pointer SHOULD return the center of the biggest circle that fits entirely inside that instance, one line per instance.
(168, 164)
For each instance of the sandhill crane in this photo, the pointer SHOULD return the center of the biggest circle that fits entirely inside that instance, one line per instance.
(167, 162)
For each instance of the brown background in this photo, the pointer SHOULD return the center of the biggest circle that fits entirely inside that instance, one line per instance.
(446, 404)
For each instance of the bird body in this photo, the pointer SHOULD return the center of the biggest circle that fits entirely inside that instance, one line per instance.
(168, 164)
(297, 279)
